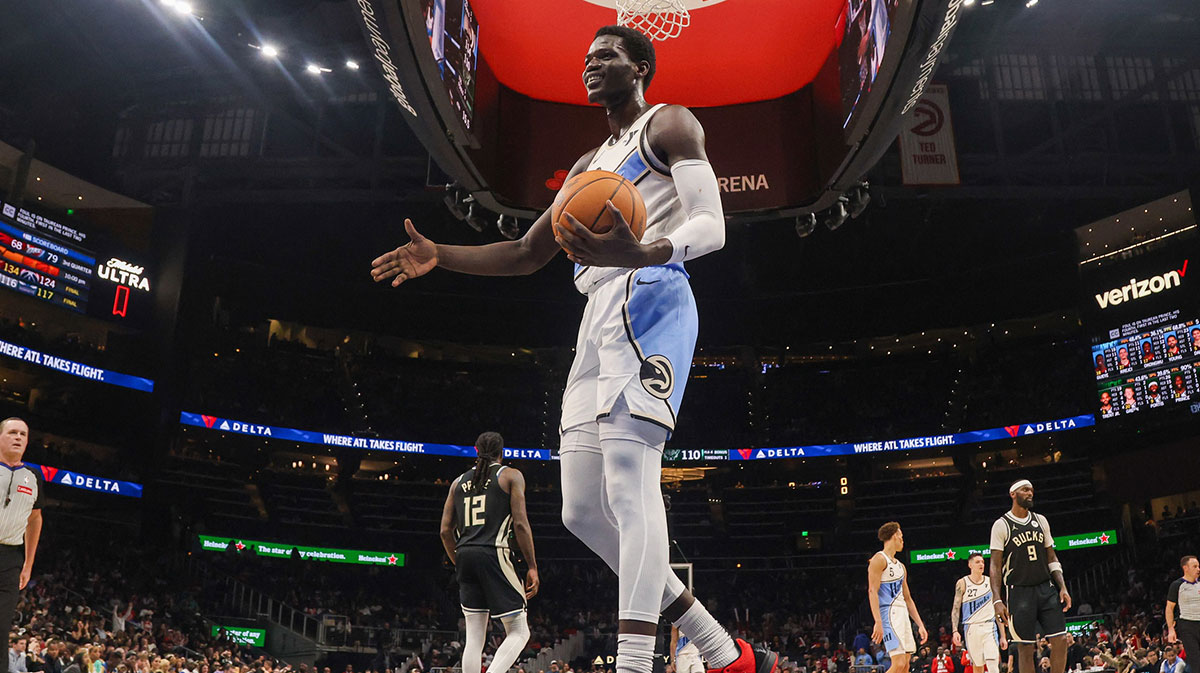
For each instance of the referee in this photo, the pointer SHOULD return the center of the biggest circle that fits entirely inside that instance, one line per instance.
(1184, 596)
(20, 521)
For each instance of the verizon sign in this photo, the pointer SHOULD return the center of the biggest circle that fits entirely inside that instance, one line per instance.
(1139, 288)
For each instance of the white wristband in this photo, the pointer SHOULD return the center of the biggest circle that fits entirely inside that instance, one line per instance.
(1054, 565)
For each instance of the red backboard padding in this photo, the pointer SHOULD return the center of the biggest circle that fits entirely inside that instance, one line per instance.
(738, 51)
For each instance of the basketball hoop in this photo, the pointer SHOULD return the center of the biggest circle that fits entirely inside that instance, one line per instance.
(656, 19)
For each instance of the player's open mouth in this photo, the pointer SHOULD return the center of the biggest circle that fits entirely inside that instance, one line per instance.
(592, 81)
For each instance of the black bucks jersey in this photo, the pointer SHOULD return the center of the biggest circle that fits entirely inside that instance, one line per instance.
(487, 580)
(483, 516)
(1023, 543)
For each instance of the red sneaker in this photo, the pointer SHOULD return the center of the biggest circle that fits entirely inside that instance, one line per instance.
(754, 659)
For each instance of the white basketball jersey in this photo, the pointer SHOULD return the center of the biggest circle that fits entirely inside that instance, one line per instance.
(630, 156)
(977, 607)
(891, 584)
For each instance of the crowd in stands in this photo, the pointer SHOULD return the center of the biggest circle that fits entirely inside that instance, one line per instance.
(740, 399)
(99, 605)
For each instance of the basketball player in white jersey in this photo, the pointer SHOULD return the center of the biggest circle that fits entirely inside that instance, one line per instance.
(634, 348)
(974, 616)
(892, 605)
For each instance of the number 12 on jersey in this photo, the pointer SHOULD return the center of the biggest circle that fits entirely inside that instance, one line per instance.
(473, 513)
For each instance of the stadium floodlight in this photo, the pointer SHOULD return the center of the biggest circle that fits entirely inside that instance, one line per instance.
(836, 215)
(508, 227)
(806, 224)
(1031, 3)
(857, 199)
(454, 202)
(353, 65)
(474, 220)
(269, 50)
(313, 68)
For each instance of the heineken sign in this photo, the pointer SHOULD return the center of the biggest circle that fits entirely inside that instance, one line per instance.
(1078, 541)
(285, 550)
(1083, 627)
(241, 635)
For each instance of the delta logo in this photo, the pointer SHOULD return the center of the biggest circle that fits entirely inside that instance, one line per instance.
(1140, 288)
(1049, 426)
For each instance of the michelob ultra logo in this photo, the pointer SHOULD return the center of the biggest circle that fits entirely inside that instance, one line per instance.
(1136, 289)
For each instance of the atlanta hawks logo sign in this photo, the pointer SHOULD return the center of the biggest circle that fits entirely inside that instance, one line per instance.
(658, 377)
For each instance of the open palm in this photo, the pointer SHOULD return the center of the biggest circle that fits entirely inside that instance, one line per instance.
(409, 261)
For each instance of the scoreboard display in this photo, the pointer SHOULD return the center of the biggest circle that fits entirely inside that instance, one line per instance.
(58, 264)
(1143, 314)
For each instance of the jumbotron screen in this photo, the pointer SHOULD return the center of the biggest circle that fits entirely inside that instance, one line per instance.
(454, 38)
(864, 41)
(1143, 315)
(59, 263)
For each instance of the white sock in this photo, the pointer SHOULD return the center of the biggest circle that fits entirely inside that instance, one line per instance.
(714, 642)
(477, 624)
(635, 653)
(517, 631)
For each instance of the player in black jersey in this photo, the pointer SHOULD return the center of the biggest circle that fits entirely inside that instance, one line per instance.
(485, 506)
(1036, 595)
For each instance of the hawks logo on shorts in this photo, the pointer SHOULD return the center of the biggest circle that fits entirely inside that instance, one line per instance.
(658, 376)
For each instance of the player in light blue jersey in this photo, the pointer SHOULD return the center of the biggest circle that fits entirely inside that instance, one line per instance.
(891, 603)
(974, 614)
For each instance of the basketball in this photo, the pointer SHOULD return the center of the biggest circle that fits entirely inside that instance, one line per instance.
(584, 197)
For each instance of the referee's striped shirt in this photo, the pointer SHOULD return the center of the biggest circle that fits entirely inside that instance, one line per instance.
(22, 495)
(1186, 597)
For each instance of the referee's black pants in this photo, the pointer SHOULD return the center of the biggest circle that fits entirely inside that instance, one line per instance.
(12, 559)
(1188, 632)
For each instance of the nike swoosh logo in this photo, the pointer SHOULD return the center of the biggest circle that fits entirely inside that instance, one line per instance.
(648, 282)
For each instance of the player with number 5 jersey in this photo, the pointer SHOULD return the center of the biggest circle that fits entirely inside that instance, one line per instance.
(484, 508)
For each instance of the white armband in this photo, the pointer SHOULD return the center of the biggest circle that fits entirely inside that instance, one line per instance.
(704, 230)
(1054, 565)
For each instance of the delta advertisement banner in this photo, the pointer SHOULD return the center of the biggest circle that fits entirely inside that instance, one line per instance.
(284, 550)
(915, 443)
(1106, 538)
(87, 482)
(241, 635)
(346, 441)
(77, 369)
(819, 450)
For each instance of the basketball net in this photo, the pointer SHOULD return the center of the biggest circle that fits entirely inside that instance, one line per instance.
(656, 19)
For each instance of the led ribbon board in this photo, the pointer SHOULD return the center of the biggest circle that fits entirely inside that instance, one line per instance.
(1105, 538)
(347, 441)
(284, 550)
(75, 368)
(817, 451)
(87, 482)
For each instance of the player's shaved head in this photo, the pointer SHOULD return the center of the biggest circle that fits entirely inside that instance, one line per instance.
(638, 46)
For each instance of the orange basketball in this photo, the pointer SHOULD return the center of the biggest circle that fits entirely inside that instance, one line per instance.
(584, 196)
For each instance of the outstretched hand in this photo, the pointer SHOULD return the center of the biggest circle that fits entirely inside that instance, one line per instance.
(616, 247)
(416, 258)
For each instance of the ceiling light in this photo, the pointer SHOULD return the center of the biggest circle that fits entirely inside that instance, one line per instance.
(269, 50)
(353, 65)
